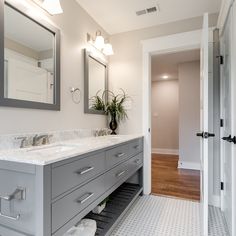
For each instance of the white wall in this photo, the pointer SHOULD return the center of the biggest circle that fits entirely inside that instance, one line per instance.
(74, 24)
(126, 65)
(189, 114)
(165, 116)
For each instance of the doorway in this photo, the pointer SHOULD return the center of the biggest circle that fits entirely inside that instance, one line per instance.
(173, 44)
(175, 121)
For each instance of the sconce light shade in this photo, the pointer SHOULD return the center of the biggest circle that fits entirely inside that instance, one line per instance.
(99, 42)
(108, 50)
(52, 6)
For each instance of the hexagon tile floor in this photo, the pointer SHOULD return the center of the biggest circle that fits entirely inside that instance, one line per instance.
(163, 216)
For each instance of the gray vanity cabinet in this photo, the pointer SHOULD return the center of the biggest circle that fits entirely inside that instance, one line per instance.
(57, 196)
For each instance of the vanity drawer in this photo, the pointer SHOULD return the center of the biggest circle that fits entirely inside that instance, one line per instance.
(73, 174)
(136, 147)
(124, 170)
(123, 152)
(69, 206)
(117, 154)
(117, 174)
(135, 162)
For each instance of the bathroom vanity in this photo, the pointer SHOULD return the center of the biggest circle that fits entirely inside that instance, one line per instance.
(47, 190)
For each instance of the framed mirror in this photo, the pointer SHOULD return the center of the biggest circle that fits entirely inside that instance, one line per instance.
(30, 61)
(95, 80)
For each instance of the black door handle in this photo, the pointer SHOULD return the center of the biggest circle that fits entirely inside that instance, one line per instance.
(230, 139)
(205, 135)
(234, 139)
(200, 134)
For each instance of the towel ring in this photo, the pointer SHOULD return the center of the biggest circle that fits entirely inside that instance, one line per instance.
(74, 92)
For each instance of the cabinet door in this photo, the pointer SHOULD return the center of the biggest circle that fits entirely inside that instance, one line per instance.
(9, 182)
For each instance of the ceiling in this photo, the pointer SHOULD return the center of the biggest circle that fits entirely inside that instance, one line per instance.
(26, 31)
(117, 16)
(168, 64)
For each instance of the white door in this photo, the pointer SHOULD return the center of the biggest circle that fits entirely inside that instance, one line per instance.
(226, 130)
(204, 127)
(26, 82)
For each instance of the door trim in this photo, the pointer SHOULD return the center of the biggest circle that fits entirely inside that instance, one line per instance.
(161, 45)
(233, 109)
(224, 11)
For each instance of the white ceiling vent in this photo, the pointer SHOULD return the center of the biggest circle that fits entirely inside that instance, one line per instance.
(148, 11)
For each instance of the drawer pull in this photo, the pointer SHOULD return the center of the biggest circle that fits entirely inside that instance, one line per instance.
(18, 194)
(85, 198)
(17, 217)
(85, 170)
(121, 173)
(120, 154)
(137, 161)
(136, 147)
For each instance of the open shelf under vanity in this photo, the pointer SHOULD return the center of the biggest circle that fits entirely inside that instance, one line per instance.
(119, 202)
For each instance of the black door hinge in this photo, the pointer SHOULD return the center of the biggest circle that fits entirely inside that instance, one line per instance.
(222, 185)
(221, 123)
(221, 59)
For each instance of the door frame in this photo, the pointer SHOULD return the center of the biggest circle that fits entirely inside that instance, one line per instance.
(161, 45)
(233, 93)
(226, 6)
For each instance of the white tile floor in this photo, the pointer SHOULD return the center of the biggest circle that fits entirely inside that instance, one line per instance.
(217, 223)
(161, 216)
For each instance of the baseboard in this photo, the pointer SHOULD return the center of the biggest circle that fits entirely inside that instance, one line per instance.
(188, 165)
(214, 200)
(165, 151)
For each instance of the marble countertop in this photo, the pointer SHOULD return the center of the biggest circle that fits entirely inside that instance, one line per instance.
(48, 154)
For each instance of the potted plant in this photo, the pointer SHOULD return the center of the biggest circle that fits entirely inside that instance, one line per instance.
(114, 107)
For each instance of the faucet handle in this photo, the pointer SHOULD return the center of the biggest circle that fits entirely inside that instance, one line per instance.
(47, 139)
(24, 141)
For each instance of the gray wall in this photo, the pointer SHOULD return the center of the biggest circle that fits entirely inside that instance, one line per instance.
(74, 24)
(189, 113)
(165, 115)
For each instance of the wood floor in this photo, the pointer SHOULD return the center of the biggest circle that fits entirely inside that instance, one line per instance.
(168, 180)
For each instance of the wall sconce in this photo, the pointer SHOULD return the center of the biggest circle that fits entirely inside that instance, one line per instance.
(108, 50)
(100, 43)
(53, 7)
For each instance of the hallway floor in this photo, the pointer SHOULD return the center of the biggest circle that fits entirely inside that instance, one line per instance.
(168, 180)
(165, 216)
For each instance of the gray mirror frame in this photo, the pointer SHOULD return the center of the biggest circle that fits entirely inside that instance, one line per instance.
(8, 102)
(88, 55)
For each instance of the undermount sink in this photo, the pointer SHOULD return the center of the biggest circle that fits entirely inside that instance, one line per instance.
(53, 149)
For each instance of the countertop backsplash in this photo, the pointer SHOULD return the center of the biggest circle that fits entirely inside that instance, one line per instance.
(11, 141)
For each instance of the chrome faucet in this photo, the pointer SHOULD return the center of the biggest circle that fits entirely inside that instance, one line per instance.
(41, 139)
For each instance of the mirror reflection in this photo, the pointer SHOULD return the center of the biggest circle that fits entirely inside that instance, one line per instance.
(28, 59)
(97, 79)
